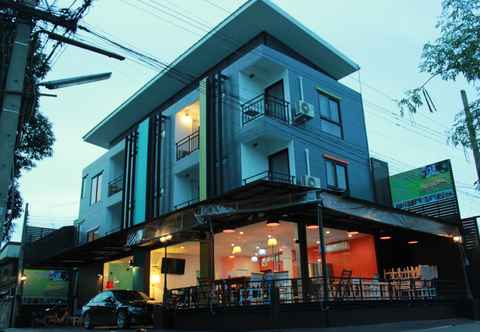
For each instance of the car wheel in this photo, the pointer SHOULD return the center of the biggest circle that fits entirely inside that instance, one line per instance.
(122, 320)
(87, 321)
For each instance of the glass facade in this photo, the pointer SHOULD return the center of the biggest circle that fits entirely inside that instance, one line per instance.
(118, 274)
(186, 255)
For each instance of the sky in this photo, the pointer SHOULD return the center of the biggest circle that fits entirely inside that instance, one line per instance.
(385, 37)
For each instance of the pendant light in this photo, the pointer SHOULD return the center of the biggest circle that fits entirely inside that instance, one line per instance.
(273, 223)
(236, 250)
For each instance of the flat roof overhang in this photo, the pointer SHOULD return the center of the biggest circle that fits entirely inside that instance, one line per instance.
(250, 20)
(261, 199)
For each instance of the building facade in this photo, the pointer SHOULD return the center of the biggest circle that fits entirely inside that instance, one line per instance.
(247, 161)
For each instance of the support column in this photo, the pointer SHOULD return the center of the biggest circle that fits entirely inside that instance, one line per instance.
(141, 272)
(302, 243)
(207, 258)
(325, 276)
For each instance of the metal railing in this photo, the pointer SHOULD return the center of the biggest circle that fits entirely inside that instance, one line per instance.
(115, 185)
(186, 203)
(270, 176)
(265, 105)
(222, 293)
(187, 145)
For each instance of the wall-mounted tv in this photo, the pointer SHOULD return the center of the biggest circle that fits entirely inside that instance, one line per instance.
(173, 265)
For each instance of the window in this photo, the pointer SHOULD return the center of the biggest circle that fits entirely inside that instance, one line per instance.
(336, 175)
(83, 191)
(330, 115)
(96, 189)
(92, 235)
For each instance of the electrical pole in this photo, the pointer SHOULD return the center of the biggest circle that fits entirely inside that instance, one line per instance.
(10, 112)
(20, 269)
(471, 133)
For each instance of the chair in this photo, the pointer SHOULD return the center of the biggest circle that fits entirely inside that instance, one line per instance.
(344, 286)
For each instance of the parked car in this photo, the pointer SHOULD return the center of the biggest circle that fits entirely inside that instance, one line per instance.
(118, 307)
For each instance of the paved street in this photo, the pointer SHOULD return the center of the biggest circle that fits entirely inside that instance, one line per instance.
(418, 326)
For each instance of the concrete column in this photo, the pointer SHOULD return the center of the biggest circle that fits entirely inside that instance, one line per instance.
(141, 270)
(207, 258)
(89, 282)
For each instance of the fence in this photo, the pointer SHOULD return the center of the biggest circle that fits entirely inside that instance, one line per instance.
(221, 293)
(265, 105)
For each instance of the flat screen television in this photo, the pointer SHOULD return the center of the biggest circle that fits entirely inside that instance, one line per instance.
(173, 265)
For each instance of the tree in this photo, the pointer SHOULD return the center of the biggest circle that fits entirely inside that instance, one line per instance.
(455, 53)
(36, 138)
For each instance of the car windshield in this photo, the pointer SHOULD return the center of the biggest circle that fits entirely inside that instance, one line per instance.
(129, 296)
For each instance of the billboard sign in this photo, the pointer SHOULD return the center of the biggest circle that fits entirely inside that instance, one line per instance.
(423, 186)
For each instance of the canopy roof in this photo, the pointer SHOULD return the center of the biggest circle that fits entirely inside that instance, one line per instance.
(250, 20)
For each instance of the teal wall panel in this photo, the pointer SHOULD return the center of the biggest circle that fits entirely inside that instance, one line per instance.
(140, 192)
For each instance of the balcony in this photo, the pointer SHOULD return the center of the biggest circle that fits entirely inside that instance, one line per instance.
(265, 105)
(115, 185)
(187, 145)
(271, 177)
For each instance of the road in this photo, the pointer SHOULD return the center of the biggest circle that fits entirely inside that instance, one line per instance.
(413, 326)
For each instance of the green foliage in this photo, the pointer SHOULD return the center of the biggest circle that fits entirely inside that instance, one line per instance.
(455, 53)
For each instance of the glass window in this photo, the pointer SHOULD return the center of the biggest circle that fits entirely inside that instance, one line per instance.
(330, 115)
(118, 274)
(336, 175)
(92, 235)
(183, 268)
(83, 191)
(96, 189)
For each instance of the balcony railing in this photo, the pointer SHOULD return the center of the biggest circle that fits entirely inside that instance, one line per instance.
(186, 203)
(187, 145)
(265, 105)
(270, 176)
(115, 185)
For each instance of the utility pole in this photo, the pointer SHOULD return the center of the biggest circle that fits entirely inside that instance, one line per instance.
(10, 112)
(20, 270)
(472, 133)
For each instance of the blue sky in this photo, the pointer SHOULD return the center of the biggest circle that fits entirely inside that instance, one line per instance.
(385, 37)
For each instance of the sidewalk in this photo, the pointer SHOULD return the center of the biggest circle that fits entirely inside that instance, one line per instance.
(456, 325)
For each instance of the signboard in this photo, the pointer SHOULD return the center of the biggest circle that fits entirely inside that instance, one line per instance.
(45, 286)
(428, 190)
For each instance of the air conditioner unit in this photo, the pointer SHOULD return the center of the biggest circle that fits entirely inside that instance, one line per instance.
(311, 181)
(305, 111)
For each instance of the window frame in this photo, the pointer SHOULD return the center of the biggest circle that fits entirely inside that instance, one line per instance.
(335, 163)
(92, 231)
(84, 187)
(98, 189)
(324, 118)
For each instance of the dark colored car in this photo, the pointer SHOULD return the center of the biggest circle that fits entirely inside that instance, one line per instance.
(117, 307)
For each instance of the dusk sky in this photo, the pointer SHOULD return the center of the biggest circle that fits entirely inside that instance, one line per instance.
(385, 37)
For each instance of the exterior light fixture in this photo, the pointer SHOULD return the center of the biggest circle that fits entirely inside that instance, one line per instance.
(413, 242)
(457, 239)
(327, 232)
(385, 237)
(228, 230)
(312, 225)
(236, 250)
(23, 278)
(155, 279)
(254, 259)
(272, 242)
(166, 238)
(273, 223)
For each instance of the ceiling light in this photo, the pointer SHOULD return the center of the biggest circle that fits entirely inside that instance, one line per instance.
(457, 239)
(228, 230)
(272, 242)
(312, 225)
(413, 242)
(241, 233)
(273, 223)
(254, 259)
(262, 252)
(386, 237)
(327, 232)
(231, 256)
(352, 233)
(318, 242)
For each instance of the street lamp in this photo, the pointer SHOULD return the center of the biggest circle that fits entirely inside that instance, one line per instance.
(78, 80)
